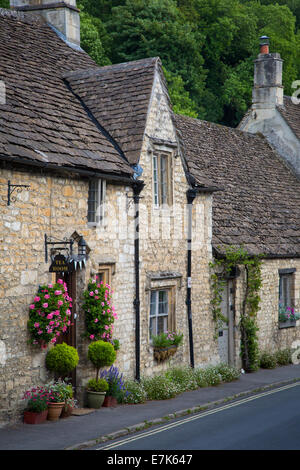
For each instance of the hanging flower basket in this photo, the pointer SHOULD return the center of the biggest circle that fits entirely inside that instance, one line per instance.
(163, 354)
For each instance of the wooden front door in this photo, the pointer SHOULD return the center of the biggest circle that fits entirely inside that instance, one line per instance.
(70, 336)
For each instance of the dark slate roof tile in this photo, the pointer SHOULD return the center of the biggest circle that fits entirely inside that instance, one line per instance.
(291, 113)
(42, 120)
(118, 96)
(260, 204)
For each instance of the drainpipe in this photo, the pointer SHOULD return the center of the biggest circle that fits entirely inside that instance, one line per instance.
(137, 188)
(190, 194)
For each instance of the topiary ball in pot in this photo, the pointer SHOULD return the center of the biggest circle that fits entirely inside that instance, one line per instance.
(101, 354)
(62, 359)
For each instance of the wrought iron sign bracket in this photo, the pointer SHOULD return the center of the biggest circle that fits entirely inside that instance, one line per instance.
(64, 244)
(14, 187)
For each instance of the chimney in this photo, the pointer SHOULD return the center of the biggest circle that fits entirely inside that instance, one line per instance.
(268, 89)
(62, 16)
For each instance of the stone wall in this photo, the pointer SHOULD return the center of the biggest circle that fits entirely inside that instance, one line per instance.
(56, 206)
(271, 338)
(164, 246)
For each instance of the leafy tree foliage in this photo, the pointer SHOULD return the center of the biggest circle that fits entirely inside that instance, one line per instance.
(207, 47)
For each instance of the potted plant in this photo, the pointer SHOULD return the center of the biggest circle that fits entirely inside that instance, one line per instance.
(101, 354)
(36, 410)
(165, 345)
(49, 314)
(287, 316)
(99, 312)
(62, 359)
(58, 393)
(70, 402)
(115, 386)
(96, 391)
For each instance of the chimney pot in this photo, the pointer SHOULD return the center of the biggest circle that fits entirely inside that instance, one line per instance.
(264, 42)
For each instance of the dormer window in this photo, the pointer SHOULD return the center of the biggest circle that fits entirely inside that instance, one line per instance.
(162, 179)
(96, 200)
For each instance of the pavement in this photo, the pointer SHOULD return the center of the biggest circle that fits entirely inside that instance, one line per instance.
(87, 430)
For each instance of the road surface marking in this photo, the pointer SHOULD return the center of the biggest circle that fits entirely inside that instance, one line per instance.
(197, 416)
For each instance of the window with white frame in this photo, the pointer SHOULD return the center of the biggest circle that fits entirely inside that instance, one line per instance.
(96, 200)
(162, 179)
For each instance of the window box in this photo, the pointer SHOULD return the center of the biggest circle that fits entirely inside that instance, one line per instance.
(163, 354)
(287, 324)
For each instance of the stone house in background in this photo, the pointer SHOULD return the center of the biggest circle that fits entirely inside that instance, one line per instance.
(99, 149)
(273, 114)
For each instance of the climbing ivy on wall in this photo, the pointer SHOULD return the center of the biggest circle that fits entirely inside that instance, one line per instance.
(222, 267)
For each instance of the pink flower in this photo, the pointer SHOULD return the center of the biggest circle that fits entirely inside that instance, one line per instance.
(96, 297)
(51, 322)
(102, 303)
(96, 291)
(50, 316)
(36, 299)
(60, 302)
(92, 336)
(96, 320)
(53, 340)
(64, 329)
(45, 305)
(40, 332)
(68, 312)
(36, 325)
(50, 285)
(32, 307)
(58, 292)
(60, 281)
(47, 296)
(106, 327)
(91, 293)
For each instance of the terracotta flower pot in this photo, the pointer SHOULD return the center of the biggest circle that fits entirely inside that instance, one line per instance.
(110, 401)
(32, 417)
(54, 411)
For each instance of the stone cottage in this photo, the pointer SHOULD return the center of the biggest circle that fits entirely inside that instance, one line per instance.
(84, 150)
(94, 164)
(257, 165)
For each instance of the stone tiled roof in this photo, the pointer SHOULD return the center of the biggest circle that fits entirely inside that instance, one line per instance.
(260, 204)
(118, 96)
(42, 121)
(291, 113)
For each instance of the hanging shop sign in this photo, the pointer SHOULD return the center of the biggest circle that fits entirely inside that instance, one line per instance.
(60, 264)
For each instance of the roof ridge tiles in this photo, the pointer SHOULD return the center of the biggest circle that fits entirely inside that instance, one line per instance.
(21, 16)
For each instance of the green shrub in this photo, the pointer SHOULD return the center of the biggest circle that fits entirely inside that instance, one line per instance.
(135, 392)
(212, 376)
(228, 373)
(183, 377)
(267, 360)
(160, 387)
(62, 359)
(99, 385)
(101, 354)
(283, 357)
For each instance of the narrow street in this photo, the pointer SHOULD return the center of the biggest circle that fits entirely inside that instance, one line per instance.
(266, 421)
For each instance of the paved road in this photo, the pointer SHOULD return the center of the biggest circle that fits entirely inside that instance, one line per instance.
(267, 421)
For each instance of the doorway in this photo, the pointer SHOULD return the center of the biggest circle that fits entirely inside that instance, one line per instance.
(226, 330)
